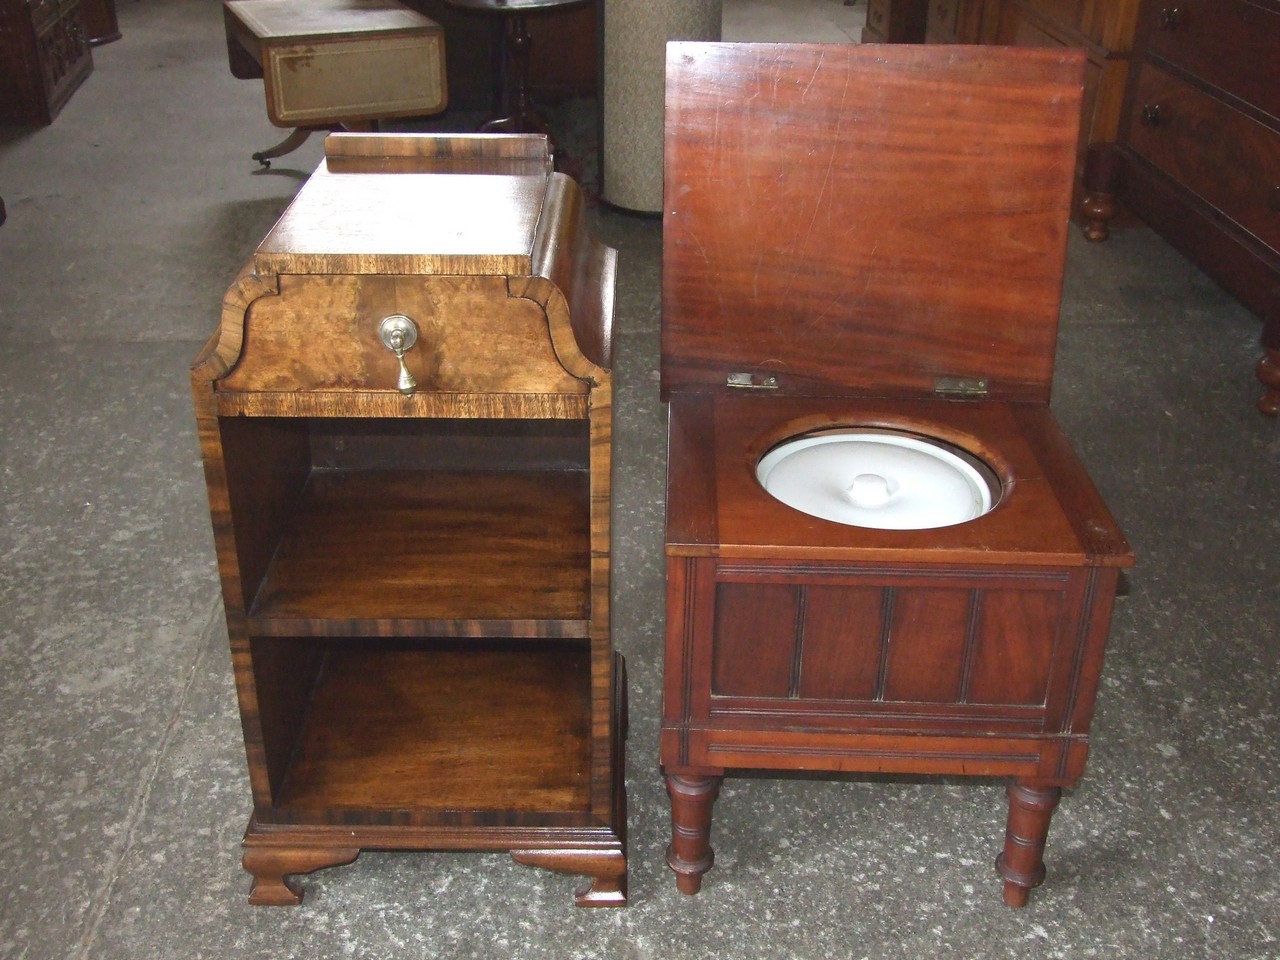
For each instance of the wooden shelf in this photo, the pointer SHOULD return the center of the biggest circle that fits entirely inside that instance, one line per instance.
(416, 552)
(420, 732)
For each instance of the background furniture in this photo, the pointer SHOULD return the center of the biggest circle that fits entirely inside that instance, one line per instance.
(1200, 148)
(44, 56)
(1102, 28)
(326, 63)
(635, 38)
(895, 21)
(798, 298)
(405, 419)
(100, 22)
(516, 111)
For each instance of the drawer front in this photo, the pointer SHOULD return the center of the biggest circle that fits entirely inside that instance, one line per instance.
(355, 79)
(1232, 44)
(321, 334)
(1229, 159)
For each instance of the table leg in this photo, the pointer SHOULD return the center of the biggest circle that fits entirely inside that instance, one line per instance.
(289, 144)
(690, 854)
(1022, 861)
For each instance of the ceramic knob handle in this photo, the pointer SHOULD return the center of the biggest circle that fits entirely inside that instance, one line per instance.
(398, 334)
(1170, 18)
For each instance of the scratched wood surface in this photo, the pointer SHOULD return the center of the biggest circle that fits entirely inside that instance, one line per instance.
(828, 221)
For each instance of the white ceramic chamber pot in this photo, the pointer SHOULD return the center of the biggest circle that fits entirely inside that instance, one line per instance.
(877, 478)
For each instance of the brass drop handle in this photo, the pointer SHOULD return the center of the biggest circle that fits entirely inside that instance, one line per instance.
(398, 334)
(1153, 115)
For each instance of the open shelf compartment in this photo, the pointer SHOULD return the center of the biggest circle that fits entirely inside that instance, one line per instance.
(425, 732)
(412, 527)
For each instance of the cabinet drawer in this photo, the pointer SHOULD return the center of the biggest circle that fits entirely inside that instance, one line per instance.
(1229, 159)
(1231, 44)
(321, 334)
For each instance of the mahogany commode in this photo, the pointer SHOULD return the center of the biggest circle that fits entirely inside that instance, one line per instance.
(405, 418)
(873, 237)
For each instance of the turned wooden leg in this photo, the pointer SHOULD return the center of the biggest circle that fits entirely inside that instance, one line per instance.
(690, 854)
(271, 866)
(1022, 862)
(1098, 201)
(1269, 375)
(606, 868)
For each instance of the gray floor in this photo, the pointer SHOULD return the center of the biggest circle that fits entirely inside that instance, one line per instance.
(122, 775)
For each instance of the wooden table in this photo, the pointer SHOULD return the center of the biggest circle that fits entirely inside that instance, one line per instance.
(521, 115)
(328, 63)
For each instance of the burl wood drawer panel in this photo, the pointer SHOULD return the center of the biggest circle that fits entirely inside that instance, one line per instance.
(1231, 160)
(321, 334)
(1193, 34)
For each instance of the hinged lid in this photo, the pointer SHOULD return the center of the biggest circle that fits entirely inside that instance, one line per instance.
(874, 220)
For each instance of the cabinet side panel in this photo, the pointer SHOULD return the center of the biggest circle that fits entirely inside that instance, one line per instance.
(285, 670)
(267, 463)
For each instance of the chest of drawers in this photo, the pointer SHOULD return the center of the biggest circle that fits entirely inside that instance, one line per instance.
(44, 56)
(1200, 147)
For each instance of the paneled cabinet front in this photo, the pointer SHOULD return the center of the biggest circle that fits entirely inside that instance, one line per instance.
(987, 655)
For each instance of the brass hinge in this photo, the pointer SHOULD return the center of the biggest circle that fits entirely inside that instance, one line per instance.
(748, 381)
(962, 388)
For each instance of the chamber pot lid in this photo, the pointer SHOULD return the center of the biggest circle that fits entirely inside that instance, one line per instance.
(883, 479)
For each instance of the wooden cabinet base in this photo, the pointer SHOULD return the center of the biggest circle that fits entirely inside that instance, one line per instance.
(273, 856)
(272, 866)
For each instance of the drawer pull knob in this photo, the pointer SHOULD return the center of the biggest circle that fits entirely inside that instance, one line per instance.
(1170, 18)
(1153, 115)
(398, 334)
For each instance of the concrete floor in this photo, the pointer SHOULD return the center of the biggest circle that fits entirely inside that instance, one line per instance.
(121, 768)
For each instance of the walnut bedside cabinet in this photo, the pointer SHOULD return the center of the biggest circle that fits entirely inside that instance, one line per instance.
(882, 554)
(405, 421)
